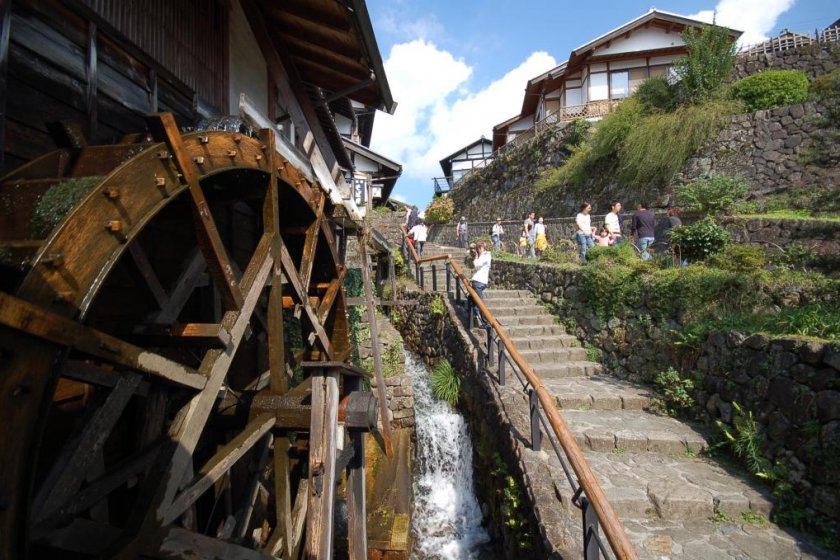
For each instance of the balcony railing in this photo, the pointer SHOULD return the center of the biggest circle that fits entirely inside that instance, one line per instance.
(792, 41)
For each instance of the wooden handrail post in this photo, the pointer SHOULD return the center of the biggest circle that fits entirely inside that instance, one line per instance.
(502, 360)
(534, 410)
(434, 278)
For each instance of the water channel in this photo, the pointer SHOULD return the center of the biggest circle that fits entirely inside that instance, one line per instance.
(446, 517)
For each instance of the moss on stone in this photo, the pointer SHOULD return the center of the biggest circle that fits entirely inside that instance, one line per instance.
(57, 202)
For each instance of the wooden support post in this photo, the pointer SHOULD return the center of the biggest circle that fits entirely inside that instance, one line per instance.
(356, 495)
(5, 29)
(92, 78)
(377, 351)
(392, 277)
(283, 496)
(322, 454)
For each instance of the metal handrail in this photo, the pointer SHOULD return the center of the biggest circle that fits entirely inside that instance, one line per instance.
(588, 491)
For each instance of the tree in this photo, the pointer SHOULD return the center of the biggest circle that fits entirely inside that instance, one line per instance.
(710, 59)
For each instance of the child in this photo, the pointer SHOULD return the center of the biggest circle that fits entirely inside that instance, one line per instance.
(522, 250)
(603, 238)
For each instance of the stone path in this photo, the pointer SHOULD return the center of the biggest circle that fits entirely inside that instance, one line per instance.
(650, 466)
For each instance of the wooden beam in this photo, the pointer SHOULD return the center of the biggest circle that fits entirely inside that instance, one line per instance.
(165, 129)
(310, 244)
(92, 79)
(375, 347)
(219, 464)
(322, 455)
(5, 30)
(331, 294)
(29, 318)
(188, 280)
(356, 492)
(70, 470)
(91, 374)
(282, 495)
(211, 335)
(175, 543)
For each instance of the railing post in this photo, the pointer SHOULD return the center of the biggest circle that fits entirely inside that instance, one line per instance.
(489, 346)
(448, 277)
(591, 550)
(434, 277)
(420, 275)
(470, 313)
(457, 291)
(534, 406)
(502, 360)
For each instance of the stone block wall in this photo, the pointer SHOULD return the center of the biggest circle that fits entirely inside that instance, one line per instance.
(813, 60)
(768, 148)
(791, 385)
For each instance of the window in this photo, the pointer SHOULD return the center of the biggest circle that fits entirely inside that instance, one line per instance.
(637, 76)
(573, 97)
(619, 84)
(598, 89)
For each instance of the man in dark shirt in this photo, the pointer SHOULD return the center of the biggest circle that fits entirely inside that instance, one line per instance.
(643, 227)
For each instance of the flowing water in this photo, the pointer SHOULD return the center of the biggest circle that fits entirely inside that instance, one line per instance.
(446, 520)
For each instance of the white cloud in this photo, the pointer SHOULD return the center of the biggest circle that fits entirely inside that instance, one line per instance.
(438, 111)
(756, 18)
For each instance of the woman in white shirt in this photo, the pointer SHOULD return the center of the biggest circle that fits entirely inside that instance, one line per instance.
(481, 277)
(541, 239)
(583, 235)
(420, 231)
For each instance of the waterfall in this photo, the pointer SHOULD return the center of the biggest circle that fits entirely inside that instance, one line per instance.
(446, 517)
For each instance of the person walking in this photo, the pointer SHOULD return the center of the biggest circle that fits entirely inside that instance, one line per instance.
(643, 227)
(532, 235)
(419, 232)
(496, 233)
(613, 222)
(540, 237)
(461, 232)
(583, 235)
(481, 276)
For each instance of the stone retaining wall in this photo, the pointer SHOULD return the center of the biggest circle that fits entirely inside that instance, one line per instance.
(791, 385)
(769, 148)
(813, 60)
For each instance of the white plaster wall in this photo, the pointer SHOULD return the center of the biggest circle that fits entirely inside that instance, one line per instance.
(248, 71)
(343, 124)
(642, 40)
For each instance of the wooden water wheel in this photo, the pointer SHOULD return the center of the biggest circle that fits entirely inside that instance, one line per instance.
(172, 356)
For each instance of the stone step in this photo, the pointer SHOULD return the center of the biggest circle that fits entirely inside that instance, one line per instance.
(553, 355)
(561, 370)
(633, 431)
(508, 302)
(516, 331)
(648, 486)
(493, 293)
(524, 310)
(541, 342)
(524, 319)
(598, 393)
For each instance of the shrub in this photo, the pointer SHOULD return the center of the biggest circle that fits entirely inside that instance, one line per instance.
(656, 94)
(445, 382)
(392, 360)
(399, 262)
(740, 258)
(825, 89)
(675, 391)
(772, 88)
(622, 254)
(440, 210)
(561, 252)
(700, 240)
(796, 256)
(712, 195)
(710, 60)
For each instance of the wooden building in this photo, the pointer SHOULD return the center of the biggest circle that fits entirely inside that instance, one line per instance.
(599, 74)
(463, 162)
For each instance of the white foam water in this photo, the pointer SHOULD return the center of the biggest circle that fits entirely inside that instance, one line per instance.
(446, 520)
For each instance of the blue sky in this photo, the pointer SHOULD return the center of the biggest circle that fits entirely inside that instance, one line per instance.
(457, 68)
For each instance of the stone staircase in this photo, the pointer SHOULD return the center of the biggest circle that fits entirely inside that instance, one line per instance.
(674, 502)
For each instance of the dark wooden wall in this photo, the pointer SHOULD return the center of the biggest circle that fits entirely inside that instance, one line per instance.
(73, 61)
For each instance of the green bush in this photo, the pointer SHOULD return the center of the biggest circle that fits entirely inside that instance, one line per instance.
(440, 210)
(712, 195)
(771, 88)
(706, 67)
(445, 382)
(622, 254)
(740, 258)
(675, 391)
(825, 89)
(399, 262)
(561, 252)
(608, 288)
(699, 240)
(656, 94)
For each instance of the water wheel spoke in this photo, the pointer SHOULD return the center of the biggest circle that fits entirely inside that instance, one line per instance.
(330, 296)
(70, 470)
(310, 242)
(141, 260)
(219, 464)
(97, 490)
(303, 298)
(24, 316)
(185, 285)
(271, 204)
(86, 372)
(164, 128)
(323, 441)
